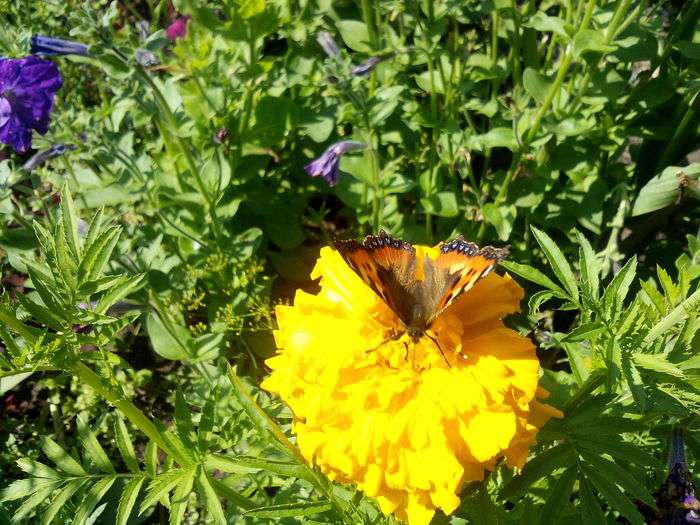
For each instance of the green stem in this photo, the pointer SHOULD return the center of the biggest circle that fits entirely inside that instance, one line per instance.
(679, 313)
(683, 131)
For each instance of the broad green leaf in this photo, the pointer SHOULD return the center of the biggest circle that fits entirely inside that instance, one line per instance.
(61, 458)
(290, 510)
(664, 189)
(93, 449)
(551, 24)
(124, 444)
(442, 204)
(536, 84)
(591, 41)
(612, 494)
(558, 497)
(166, 338)
(558, 262)
(180, 499)
(128, 499)
(70, 222)
(210, 499)
(355, 35)
(92, 498)
(63, 496)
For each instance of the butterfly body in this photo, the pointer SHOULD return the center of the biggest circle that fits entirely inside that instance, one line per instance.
(418, 288)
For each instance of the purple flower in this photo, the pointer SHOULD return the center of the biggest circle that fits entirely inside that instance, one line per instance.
(48, 46)
(326, 41)
(27, 90)
(178, 29)
(368, 65)
(328, 164)
(42, 156)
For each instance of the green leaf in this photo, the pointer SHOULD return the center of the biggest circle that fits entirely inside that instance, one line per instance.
(442, 204)
(664, 189)
(590, 269)
(616, 291)
(590, 508)
(121, 289)
(591, 41)
(183, 421)
(65, 494)
(559, 264)
(97, 254)
(548, 24)
(40, 313)
(290, 510)
(558, 497)
(94, 450)
(126, 448)
(583, 332)
(614, 447)
(128, 499)
(206, 421)
(536, 84)
(70, 222)
(612, 494)
(161, 485)
(245, 464)
(165, 343)
(621, 476)
(543, 464)
(210, 499)
(534, 275)
(23, 488)
(657, 363)
(355, 35)
(36, 469)
(151, 459)
(44, 285)
(180, 498)
(65, 265)
(36, 499)
(95, 229)
(634, 382)
(92, 498)
(61, 458)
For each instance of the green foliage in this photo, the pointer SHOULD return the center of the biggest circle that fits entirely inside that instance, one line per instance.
(568, 130)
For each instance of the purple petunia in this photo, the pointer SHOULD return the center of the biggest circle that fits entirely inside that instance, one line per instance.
(27, 90)
(49, 46)
(328, 164)
(178, 29)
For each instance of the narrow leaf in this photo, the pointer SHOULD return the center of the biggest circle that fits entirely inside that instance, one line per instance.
(558, 497)
(290, 510)
(590, 269)
(559, 264)
(124, 287)
(615, 293)
(92, 498)
(541, 465)
(657, 363)
(210, 499)
(244, 464)
(36, 499)
(583, 332)
(65, 494)
(534, 275)
(161, 486)
(612, 494)
(180, 498)
(126, 448)
(61, 458)
(36, 469)
(590, 508)
(127, 500)
(94, 450)
(70, 222)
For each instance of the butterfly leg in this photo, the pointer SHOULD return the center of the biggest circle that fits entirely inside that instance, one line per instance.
(442, 353)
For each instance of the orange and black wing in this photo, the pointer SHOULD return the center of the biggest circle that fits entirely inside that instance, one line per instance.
(458, 267)
(387, 265)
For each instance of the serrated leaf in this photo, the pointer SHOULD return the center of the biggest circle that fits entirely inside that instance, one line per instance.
(92, 498)
(206, 421)
(61, 458)
(656, 298)
(210, 499)
(161, 486)
(22, 488)
(94, 229)
(124, 444)
(183, 421)
(242, 464)
(66, 267)
(40, 313)
(119, 291)
(612, 494)
(65, 494)
(34, 500)
(590, 269)
(36, 469)
(656, 363)
(43, 285)
(615, 447)
(541, 465)
(635, 383)
(93, 449)
(583, 332)
(534, 275)
(128, 499)
(558, 497)
(97, 254)
(290, 510)
(590, 508)
(558, 262)
(180, 498)
(618, 475)
(616, 291)
(70, 222)
(151, 459)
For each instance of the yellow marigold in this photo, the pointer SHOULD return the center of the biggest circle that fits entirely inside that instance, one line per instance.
(393, 416)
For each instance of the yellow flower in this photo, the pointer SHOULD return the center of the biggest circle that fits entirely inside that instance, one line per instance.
(393, 416)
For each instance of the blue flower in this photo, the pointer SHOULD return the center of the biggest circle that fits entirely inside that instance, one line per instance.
(42, 156)
(326, 41)
(27, 90)
(48, 46)
(368, 65)
(328, 164)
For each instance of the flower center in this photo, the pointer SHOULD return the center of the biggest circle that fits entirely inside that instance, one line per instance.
(5, 109)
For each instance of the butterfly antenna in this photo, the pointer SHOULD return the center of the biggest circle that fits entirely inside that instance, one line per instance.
(442, 353)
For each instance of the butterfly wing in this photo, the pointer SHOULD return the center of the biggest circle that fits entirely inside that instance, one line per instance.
(460, 265)
(387, 265)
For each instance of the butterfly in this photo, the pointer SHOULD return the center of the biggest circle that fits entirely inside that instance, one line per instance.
(388, 266)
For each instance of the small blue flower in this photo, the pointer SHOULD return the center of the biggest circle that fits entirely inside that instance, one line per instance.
(39, 158)
(326, 41)
(328, 164)
(48, 46)
(368, 65)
